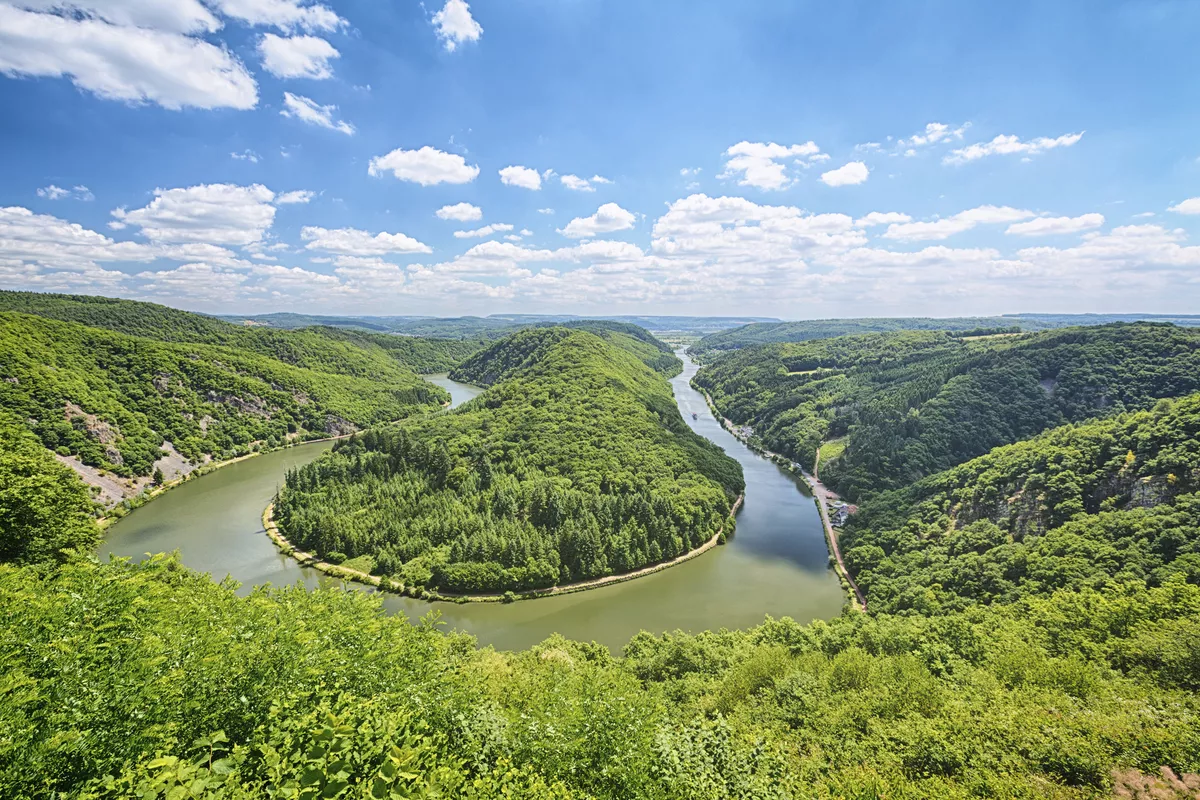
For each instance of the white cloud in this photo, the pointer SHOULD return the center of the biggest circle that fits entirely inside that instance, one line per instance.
(246, 155)
(850, 174)
(1056, 226)
(460, 212)
(960, 222)
(881, 218)
(608, 218)
(545, 210)
(291, 198)
(353, 242)
(868, 147)
(427, 166)
(42, 239)
(131, 64)
(1189, 206)
(370, 274)
(455, 25)
(218, 213)
(758, 164)
(198, 281)
(53, 192)
(297, 56)
(178, 16)
(1008, 145)
(524, 177)
(578, 184)
(306, 110)
(486, 230)
(934, 132)
(283, 14)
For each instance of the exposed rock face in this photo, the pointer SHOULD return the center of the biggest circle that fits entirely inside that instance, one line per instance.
(114, 456)
(336, 426)
(162, 382)
(15, 381)
(254, 405)
(92, 425)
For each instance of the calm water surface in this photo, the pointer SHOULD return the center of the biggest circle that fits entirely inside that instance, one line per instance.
(777, 563)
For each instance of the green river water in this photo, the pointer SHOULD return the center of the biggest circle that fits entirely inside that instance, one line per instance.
(777, 564)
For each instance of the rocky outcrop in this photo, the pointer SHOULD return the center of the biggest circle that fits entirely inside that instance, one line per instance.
(337, 426)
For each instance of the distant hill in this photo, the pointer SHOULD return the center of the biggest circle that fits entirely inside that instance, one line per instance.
(803, 330)
(911, 403)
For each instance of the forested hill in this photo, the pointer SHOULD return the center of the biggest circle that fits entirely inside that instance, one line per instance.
(1077, 507)
(112, 399)
(575, 464)
(528, 349)
(804, 330)
(913, 403)
(328, 349)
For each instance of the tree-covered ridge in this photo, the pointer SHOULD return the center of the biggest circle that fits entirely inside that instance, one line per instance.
(112, 399)
(44, 508)
(758, 333)
(915, 403)
(1078, 506)
(575, 464)
(151, 681)
(360, 354)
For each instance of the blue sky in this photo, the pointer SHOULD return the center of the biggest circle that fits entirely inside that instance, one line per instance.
(796, 159)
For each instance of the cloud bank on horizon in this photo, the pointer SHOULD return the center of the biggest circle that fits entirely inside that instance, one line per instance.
(460, 157)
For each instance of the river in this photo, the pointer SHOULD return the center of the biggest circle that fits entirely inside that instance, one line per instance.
(776, 564)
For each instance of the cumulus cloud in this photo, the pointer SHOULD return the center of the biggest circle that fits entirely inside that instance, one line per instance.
(948, 226)
(286, 15)
(455, 25)
(53, 192)
(524, 177)
(1056, 226)
(545, 210)
(297, 56)
(308, 111)
(427, 166)
(486, 230)
(292, 198)
(881, 218)
(246, 155)
(1008, 145)
(934, 132)
(353, 242)
(608, 218)
(578, 184)
(850, 174)
(758, 164)
(460, 212)
(218, 213)
(1189, 206)
(121, 62)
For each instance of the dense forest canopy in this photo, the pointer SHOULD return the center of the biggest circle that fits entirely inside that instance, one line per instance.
(112, 399)
(1077, 507)
(916, 402)
(327, 348)
(575, 464)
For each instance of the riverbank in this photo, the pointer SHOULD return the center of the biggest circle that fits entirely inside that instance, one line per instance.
(821, 496)
(306, 559)
(129, 505)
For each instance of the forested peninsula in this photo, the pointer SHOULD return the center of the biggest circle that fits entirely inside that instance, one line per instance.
(575, 464)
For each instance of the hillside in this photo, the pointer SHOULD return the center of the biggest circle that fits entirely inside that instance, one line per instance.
(775, 332)
(913, 403)
(575, 464)
(1077, 507)
(328, 349)
(112, 399)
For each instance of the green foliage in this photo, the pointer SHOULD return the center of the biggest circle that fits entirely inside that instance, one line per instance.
(44, 508)
(915, 403)
(151, 681)
(775, 332)
(1079, 506)
(112, 399)
(575, 464)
